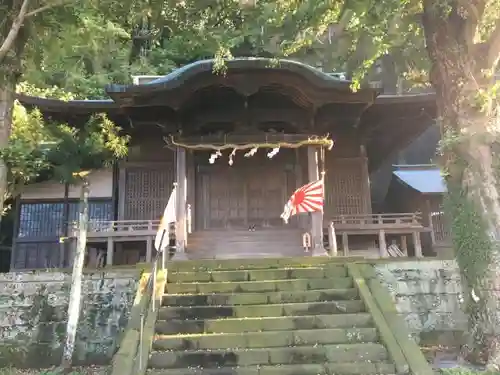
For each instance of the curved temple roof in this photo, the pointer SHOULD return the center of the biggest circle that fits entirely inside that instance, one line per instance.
(179, 76)
(386, 122)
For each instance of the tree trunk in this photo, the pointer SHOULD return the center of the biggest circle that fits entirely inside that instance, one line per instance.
(76, 279)
(469, 164)
(7, 90)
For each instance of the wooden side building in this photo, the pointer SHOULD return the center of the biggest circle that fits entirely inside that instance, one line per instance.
(421, 188)
(230, 209)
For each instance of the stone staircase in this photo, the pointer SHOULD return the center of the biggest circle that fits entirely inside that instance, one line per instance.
(295, 316)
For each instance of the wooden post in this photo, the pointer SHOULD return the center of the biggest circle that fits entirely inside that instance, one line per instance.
(345, 243)
(404, 245)
(122, 174)
(191, 191)
(332, 240)
(430, 223)
(75, 294)
(382, 244)
(418, 244)
(109, 252)
(149, 249)
(149, 243)
(316, 217)
(65, 253)
(181, 204)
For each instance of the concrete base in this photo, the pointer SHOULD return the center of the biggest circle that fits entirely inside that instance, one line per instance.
(319, 251)
(179, 255)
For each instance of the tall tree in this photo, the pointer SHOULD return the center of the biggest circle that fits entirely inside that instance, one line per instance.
(462, 43)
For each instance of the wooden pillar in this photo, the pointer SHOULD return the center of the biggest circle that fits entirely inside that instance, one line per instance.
(332, 239)
(109, 252)
(382, 244)
(316, 217)
(365, 182)
(121, 191)
(149, 244)
(345, 243)
(302, 221)
(149, 249)
(191, 191)
(404, 245)
(180, 228)
(417, 244)
(429, 223)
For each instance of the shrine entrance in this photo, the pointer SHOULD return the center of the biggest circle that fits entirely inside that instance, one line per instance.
(249, 195)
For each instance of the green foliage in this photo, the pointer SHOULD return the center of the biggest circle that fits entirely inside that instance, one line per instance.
(40, 149)
(106, 41)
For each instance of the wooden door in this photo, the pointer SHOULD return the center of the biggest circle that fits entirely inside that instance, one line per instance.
(241, 197)
(223, 198)
(266, 196)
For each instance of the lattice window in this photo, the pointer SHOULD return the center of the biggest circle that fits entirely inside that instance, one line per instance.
(42, 220)
(147, 191)
(344, 187)
(100, 212)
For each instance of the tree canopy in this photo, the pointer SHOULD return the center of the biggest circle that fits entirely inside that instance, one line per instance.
(39, 149)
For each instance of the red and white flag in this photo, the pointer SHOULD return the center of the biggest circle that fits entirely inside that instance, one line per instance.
(308, 198)
(169, 216)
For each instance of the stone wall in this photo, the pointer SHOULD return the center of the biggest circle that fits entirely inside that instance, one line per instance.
(33, 315)
(427, 294)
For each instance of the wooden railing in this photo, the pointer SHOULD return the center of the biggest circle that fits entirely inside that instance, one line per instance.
(117, 228)
(398, 224)
(365, 221)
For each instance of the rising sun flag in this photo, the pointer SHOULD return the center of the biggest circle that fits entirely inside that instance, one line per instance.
(308, 198)
(169, 216)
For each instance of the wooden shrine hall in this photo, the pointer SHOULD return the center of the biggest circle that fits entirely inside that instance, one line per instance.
(237, 143)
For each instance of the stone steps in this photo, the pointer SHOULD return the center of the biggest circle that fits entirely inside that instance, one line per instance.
(344, 368)
(366, 352)
(283, 317)
(264, 310)
(316, 295)
(270, 339)
(256, 275)
(260, 286)
(280, 323)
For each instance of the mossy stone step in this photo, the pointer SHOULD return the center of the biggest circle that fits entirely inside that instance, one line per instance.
(203, 265)
(317, 295)
(248, 311)
(257, 275)
(269, 356)
(282, 323)
(260, 286)
(337, 368)
(265, 339)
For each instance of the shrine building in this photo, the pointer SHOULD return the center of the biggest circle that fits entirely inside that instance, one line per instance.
(237, 143)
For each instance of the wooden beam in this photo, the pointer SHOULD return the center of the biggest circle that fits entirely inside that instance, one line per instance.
(417, 244)
(316, 217)
(121, 190)
(109, 252)
(180, 228)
